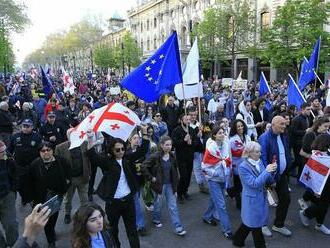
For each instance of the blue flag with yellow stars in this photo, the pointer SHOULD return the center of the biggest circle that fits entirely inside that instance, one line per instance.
(158, 75)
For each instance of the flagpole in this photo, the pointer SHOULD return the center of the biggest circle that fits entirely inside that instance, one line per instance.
(184, 100)
(199, 107)
(317, 76)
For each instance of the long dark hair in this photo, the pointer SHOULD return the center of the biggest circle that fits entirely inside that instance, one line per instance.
(321, 143)
(233, 128)
(80, 235)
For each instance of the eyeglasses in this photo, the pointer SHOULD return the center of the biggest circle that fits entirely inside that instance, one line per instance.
(26, 126)
(119, 149)
(45, 150)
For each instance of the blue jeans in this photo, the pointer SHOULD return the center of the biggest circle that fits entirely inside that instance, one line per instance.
(172, 207)
(138, 211)
(217, 203)
(200, 178)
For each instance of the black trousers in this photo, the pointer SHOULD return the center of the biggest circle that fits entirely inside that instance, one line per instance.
(318, 210)
(238, 191)
(242, 233)
(282, 190)
(50, 228)
(92, 179)
(124, 208)
(298, 160)
(185, 171)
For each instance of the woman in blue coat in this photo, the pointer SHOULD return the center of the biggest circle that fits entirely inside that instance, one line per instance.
(254, 177)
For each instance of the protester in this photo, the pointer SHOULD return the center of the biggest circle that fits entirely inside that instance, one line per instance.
(6, 123)
(215, 166)
(49, 176)
(255, 177)
(117, 188)
(7, 198)
(245, 114)
(52, 131)
(319, 209)
(275, 147)
(89, 228)
(162, 170)
(80, 170)
(238, 138)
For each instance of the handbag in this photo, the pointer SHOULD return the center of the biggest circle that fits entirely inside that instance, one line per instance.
(272, 197)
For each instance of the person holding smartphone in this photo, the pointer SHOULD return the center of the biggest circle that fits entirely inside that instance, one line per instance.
(49, 176)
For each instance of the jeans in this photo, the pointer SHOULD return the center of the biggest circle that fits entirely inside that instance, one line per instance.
(172, 207)
(82, 189)
(217, 203)
(8, 220)
(138, 211)
(200, 178)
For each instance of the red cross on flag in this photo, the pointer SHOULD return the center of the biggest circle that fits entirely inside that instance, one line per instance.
(67, 82)
(113, 119)
(316, 172)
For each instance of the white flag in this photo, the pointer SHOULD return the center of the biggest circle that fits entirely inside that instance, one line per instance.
(191, 79)
(113, 119)
(67, 82)
(316, 172)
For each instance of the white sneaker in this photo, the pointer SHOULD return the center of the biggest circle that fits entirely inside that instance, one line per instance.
(322, 228)
(303, 218)
(266, 232)
(303, 204)
(282, 230)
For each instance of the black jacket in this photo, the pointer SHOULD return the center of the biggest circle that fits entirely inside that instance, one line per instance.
(152, 167)
(171, 115)
(298, 128)
(6, 122)
(111, 174)
(257, 118)
(57, 179)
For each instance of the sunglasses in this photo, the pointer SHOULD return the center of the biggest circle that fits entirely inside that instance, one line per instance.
(119, 149)
(45, 150)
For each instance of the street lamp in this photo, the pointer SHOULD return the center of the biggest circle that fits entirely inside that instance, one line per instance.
(122, 58)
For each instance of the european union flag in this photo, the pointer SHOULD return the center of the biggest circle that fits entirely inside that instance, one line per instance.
(306, 74)
(263, 85)
(314, 58)
(268, 105)
(158, 75)
(46, 83)
(294, 95)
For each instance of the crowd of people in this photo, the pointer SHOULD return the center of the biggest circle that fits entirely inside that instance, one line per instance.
(235, 143)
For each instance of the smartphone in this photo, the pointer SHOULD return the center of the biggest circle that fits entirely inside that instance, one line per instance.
(54, 204)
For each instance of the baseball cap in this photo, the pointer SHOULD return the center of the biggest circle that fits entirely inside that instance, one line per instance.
(27, 122)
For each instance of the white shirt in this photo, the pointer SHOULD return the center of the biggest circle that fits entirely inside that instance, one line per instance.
(212, 106)
(122, 187)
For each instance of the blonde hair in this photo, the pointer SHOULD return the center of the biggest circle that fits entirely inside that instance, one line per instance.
(250, 147)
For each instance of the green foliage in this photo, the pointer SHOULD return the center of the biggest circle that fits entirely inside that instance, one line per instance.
(104, 57)
(12, 16)
(298, 24)
(131, 51)
(225, 31)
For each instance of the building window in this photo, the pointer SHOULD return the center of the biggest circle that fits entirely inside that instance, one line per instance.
(265, 20)
(148, 25)
(155, 22)
(148, 44)
(183, 10)
(183, 36)
(155, 43)
(142, 45)
(172, 13)
(141, 26)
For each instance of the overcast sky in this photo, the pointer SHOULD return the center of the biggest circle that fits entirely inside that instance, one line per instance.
(49, 16)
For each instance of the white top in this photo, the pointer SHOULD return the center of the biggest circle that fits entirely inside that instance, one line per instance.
(212, 106)
(122, 187)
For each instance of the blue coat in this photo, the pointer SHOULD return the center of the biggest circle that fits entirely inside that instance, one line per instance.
(254, 211)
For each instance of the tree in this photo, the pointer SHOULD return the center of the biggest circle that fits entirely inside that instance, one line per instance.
(226, 30)
(298, 24)
(12, 19)
(104, 57)
(131, 51)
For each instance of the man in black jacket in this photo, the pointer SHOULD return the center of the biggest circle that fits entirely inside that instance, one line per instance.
(171, 114)
(185, 141)
(117, 188)
(6, 123)
(298, 128)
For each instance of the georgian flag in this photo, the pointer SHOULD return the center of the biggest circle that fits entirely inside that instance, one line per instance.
(316, 172)
(67, 82)
(113, 119)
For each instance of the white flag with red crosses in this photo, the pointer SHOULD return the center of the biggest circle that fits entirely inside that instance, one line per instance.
(316, 172)
(113, 119)
(67, 82)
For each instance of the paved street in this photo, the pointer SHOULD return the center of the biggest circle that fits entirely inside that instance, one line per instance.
(200, 235)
